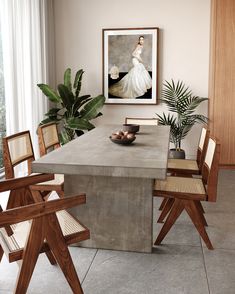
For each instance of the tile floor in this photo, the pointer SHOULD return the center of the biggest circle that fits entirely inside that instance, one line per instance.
(181, 265)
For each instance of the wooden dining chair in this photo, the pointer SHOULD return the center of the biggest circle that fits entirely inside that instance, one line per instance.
(27, 231)
(188, 192)
(185, 168)
(141, 121)
(191, 167)
(48, 138)
(18, 150)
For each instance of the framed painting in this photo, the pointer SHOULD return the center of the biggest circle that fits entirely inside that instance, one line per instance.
(130, 63)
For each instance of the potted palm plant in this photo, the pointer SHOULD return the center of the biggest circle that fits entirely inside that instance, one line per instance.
(182, 103)
(73, 112)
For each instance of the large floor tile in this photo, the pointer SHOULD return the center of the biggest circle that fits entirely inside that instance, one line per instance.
(220, 267)
(46, 278)
(221, 229)
(180, 234)
(170, 269)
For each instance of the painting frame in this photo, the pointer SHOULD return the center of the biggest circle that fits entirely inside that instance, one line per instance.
(119, 61)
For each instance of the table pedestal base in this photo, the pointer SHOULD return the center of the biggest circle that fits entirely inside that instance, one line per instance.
(118, 211)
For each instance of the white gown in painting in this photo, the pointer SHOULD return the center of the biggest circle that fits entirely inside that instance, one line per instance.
(136, 82)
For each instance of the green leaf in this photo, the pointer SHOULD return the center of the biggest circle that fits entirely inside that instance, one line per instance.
(51, 94)
(79, 101)
(63, 137)
(48, 120)
(79, 124)
(66, 96)
(67, 79)
(78, 82)
(93, 107)
(52, 112)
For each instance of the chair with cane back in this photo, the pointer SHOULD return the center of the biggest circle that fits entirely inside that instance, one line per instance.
(29, 230)
(188, 192)
(18, 150)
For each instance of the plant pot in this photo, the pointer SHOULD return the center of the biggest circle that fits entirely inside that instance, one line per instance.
(176, 154)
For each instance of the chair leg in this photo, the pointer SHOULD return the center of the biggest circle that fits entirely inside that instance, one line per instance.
(194, 214)
(30, 256)
(37, 196)
(166, 209)
(60, 250)
(61, 194)
(199, 208)
(51, 257)
(175, 212)
(1, 253)
(163, 203)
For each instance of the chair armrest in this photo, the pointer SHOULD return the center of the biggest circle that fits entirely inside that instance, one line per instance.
(28, 212)
(16, 183)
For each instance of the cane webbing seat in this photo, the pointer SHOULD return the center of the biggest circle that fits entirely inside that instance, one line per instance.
(183, 164)
(56, 183)
(69, 225)
(141, 121)
(41, 227)
(180, 185)
(186, 193)
(186, 166)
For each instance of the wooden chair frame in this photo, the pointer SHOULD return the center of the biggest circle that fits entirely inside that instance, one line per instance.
(201, 153)
(45, 233)
(9, 165)
(166, 204)
(191, 202)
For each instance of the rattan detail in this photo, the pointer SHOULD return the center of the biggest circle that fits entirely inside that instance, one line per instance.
(202, 138)
(181, 185)
(69, 225)
(50, 135)
(20, 148)
(210, 152)
(183, 164)
(58, 180)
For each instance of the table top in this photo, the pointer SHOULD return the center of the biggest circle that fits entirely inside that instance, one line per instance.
(94, 154)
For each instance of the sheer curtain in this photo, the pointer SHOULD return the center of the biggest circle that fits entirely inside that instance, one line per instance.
(26, 58)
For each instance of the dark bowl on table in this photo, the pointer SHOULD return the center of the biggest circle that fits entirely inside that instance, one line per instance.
(124, 141)
(131, 128)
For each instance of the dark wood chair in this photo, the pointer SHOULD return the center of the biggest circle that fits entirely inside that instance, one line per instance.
(18, 150)
(141, 121)
(185, 168)
(191, 167)
(188, 192)
(27, 231)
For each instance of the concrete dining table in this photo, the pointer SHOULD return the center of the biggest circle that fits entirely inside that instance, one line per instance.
(118, 181)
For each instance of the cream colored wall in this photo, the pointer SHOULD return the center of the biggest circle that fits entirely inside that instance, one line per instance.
(184, 46)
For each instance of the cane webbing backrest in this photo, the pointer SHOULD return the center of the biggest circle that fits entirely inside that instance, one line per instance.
(17, 148)
(141, 121)
(48, 138)
(202, 138)
(210, 168)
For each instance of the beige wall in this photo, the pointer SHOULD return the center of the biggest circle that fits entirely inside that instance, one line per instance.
(184, 46)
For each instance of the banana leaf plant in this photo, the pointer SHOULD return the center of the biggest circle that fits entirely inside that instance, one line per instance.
(182, 103)
(73, 112)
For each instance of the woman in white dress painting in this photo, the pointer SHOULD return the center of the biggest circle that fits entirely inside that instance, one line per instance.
(137, 81)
